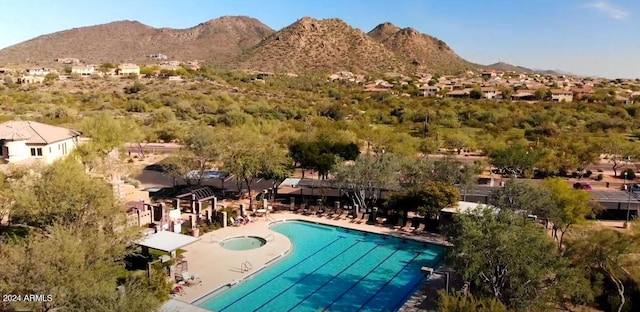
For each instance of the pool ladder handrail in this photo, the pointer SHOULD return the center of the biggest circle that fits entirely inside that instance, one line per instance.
(269, 217)
(246, 266)
(273, 237)
(213, 239)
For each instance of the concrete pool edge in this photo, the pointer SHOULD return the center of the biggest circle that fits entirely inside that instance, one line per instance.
(224, 286)
(393, 233)
(217, 277)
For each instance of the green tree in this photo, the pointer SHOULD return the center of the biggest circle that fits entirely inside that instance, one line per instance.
(364, 180)
(447, 170)
(78, 268)
(607, 252)
(570, 206)
(106, 67)
(240, 156)
(63, 194)
(458, 142)
(488, 251)
(515, 159)
(618, 151)
(460, 302)
(426, 199)
(203, 146)
(543, 94)
(522, 196)
(468, 178)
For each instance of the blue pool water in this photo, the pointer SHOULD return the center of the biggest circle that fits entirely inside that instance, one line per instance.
(332, 269)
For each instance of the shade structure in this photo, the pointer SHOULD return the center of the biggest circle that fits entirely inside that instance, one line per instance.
(167, 241)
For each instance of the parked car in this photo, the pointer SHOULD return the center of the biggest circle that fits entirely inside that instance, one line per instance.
(582, 186)
(635, 188)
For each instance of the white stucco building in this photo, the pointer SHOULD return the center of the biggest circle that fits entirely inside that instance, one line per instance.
(21, 141)
(85, 70)
(128, 69)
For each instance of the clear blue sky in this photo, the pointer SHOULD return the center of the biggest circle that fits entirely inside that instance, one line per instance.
(588, 37)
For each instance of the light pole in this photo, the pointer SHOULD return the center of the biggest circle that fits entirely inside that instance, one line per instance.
(628, 189)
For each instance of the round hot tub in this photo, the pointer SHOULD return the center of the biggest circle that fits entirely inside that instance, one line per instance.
(243, 243)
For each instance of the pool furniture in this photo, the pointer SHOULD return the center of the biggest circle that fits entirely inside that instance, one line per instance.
(190, 280)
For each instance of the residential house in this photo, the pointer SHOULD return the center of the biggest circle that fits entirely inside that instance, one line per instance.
(489, 92)
(488, 75)
(378, 86)
(158, 56)
(128, 69)
(84, 70)
(30, 79)
(429, 91)
(68, 60)
(464, 93)
(38, 71)
(30, 140)
(524, 95)
(622, 100)
(560, 95)
(581, 93)
(4, 70)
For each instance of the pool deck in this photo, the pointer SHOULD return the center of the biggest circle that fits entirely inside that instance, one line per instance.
(218, 267)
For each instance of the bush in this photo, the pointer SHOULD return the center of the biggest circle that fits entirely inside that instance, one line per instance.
(630, 174)
(600, 177)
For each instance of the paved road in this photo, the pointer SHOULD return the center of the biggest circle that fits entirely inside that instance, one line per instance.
(172, 147)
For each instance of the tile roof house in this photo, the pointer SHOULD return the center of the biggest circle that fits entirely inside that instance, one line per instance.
(128, 69)
(429, 91)
(460, 93)
(489, 92)
(30, 140)
(85, 70)
(524, 95)
(560, 95)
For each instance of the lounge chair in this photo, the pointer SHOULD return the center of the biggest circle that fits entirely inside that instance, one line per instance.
(234, 222)
(408, 226)
(311, 211)
(190, 280)
(303, 208)
(337, 214)
(362, 218)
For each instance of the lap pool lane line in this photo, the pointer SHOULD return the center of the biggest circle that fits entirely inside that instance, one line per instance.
(389, 281)
(315, 270)
(283, 272)
(327, 308)
(324, 282)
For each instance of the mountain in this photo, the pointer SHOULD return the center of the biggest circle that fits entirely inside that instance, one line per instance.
(240, 42)
(501, 66)
(383, 31)
(219, 39)
(425, 52)
(320, 45)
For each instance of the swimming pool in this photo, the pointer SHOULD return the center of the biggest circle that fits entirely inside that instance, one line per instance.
(332, 269)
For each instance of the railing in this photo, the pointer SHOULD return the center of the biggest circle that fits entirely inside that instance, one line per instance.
(246, 266)
(270, 238)
(268, 217)
(215, 239)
